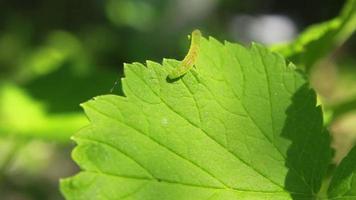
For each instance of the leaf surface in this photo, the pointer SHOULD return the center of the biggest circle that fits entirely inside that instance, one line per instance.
(320, 39)
(241, 125)
(343, 183)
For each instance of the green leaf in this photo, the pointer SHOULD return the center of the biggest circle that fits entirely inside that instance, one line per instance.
(342, 186)
(320, 39)
(24, 116)
(241, 125)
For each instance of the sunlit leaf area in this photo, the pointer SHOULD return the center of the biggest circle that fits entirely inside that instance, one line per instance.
(268, 111)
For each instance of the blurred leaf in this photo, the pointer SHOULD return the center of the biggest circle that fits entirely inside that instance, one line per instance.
(63, 90)
(241, 125)
(319, 40)
(23, 116)
(134, 13)
(55, 79)
(342, 186)
(60, 47)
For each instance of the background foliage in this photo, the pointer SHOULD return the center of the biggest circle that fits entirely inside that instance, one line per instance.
(57, 54)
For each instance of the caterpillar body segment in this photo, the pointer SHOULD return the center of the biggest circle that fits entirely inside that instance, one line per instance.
(191, 57)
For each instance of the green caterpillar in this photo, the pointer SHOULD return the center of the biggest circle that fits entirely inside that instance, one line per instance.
(190, 59)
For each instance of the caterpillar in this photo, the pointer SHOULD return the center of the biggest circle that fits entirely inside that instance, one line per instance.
(191, 57)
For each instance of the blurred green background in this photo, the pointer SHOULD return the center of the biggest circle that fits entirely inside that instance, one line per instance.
(56, 54)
